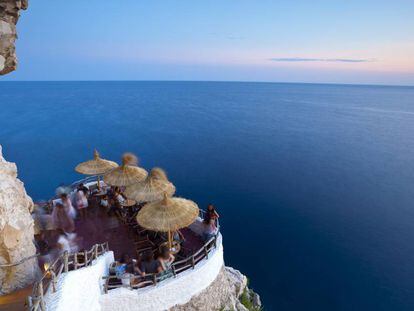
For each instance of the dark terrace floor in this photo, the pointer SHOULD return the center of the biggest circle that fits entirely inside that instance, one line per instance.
(99, 227)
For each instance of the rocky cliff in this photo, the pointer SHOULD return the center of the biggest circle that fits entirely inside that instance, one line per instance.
(229, 291)
(16, 231)
(9, 14)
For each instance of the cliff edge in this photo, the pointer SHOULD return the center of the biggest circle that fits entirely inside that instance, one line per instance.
(229, 291)
(16, 231)
(9, 15)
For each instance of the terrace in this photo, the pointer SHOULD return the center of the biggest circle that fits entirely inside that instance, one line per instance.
(101, 233)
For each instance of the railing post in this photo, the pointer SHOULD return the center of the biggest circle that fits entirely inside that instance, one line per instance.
(66, 261)
(192, 261)
(29, 303)
(106, 286)
(205, 251)
(96, 251)
(173, 270)
(75, 259)
(85, 255)
(53, 280)
(40, 292)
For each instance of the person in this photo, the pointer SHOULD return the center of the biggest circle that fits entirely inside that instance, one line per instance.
(61, 219)
(85, 189)
(209, 229)
(104, 202)
(149, 264)
(111, 192)
(67, 204)
(165, 259)
(119, 197)
(118, 200)
(82, 200)
(67, 242)
(211, 212)
(129, 262)
(43, 249)
(41, 244)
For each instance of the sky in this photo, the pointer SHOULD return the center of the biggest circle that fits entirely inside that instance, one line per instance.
(332, 41)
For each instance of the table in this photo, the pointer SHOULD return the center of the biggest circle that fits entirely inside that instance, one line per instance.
(99, 194)
(128, 203)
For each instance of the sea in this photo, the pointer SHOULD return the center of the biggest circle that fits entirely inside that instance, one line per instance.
(314, 183)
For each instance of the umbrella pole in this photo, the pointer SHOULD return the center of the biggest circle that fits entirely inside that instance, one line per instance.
(169, 240)
(99, 184)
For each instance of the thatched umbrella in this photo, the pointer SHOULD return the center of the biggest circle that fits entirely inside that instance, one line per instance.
(97, 166)
(152, 188)
(168, 215)
(126, 174)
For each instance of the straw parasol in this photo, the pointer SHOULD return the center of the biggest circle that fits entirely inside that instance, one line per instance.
(152, 188)
(168, 215)
(126, 174)
(97, 166)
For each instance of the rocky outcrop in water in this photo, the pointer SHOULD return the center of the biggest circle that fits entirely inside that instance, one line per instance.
(229, 291)
(16, 231)
(9, 15)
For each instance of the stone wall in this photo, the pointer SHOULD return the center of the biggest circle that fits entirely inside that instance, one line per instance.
(9, 15)
(16, 231)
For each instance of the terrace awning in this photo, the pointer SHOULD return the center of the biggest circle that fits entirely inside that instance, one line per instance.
(126, 174)
(152, 188)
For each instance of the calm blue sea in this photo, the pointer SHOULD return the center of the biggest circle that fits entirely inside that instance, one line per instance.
(314, 183)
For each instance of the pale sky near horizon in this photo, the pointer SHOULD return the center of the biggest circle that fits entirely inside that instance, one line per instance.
(368, 42)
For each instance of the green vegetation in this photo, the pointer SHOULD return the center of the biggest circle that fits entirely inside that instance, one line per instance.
(246, 301)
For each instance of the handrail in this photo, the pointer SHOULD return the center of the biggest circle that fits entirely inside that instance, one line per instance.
(7, 265)
(64, 263)
(176, 268)
(84, 180)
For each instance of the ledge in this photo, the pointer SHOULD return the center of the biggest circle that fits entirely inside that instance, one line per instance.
(171, 292)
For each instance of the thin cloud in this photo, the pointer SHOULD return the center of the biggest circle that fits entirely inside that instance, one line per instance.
(234, 37)
(226, 36)
(327, 60)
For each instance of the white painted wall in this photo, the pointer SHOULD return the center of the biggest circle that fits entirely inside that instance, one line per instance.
(80, 289)
(170, 292)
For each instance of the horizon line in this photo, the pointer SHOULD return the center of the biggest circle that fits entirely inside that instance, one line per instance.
(221, 81)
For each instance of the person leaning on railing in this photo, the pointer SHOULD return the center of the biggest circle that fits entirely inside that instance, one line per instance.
(212, 213)
(209, 229)
(165, 260)
(209, 223)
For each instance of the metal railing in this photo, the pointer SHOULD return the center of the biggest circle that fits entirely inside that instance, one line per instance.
(138, 281)
(84, 181)
(64, 263)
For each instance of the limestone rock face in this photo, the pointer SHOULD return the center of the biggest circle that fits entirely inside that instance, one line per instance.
(223, 294)
(16, 230)
(9, 14)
